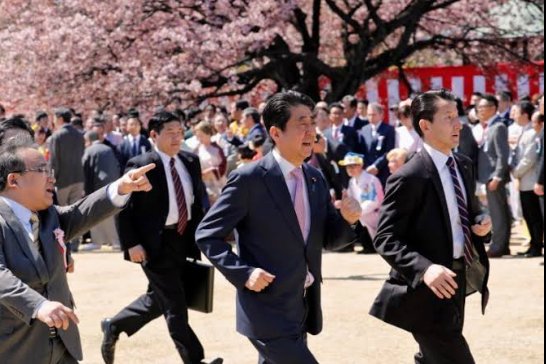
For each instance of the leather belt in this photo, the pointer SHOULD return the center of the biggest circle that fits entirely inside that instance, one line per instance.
(53, 334)
(171, 227)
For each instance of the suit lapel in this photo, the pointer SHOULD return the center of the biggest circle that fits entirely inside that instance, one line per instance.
(437, 182)
(464, 169)
(313, 197)
(50, 246)
(24, 241)
(278, 189)
(188, 162)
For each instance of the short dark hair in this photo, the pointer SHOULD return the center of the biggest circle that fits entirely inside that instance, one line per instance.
(505, 96)
(404, 111)
(14, 124)
(491, 99)
(245, 152)
(460, 107)
(64, 114)
(133, 113)
(78, 122)
(527, 108)
(277, 111)
(158, 120)
(254, 113)
(479, 94)
(41, 115)
(242, 105)
(10, 160)
(258, 141)
(335, 105)
(424, 107)
(364, 102)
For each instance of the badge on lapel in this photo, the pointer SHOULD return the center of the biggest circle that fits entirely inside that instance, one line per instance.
(59, 237)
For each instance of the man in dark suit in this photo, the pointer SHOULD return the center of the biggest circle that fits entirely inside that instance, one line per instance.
(134, 144)
(282, 212)
(539, 186)
(67, 147)
(157, 230)
(377, 139)
(342, 139)
(37, 322)
(252, 122)
(425, 234)
(100, 167)
(352, 118)
(494, 172)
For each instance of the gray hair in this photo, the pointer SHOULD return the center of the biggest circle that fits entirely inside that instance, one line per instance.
(377, 107)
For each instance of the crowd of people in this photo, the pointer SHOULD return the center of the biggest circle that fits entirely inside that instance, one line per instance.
(183, 182)
(355, 149)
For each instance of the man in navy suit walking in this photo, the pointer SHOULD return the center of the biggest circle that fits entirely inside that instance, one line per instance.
(284, 217)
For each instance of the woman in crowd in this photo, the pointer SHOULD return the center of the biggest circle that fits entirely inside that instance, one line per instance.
(212, 158)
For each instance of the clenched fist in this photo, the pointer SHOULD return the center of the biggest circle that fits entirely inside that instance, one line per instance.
(259, 280)
(350, 209)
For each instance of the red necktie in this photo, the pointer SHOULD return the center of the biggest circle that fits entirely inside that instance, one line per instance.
(180, 199)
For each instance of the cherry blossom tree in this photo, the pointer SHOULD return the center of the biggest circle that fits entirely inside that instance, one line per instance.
(118, 54)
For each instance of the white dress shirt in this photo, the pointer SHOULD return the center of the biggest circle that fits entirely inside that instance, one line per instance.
(408, 140)
(440, 161)
(172, 217)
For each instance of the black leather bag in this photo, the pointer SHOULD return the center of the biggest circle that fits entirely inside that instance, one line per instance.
(199, 285)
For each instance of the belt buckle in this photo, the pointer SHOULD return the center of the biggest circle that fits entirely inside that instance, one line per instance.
(53, 333)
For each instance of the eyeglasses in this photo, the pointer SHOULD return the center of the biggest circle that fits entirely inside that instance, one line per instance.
(50, 173)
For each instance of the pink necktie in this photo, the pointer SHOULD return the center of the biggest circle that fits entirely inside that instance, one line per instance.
(299, 199)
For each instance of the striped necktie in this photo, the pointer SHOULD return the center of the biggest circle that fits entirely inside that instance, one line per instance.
(180, 199)
(463, 212)
(35, 224)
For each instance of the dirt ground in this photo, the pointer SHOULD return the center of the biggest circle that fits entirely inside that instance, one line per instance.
(512, 332)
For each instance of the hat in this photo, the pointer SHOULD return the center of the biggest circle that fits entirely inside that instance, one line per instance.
(352, 159)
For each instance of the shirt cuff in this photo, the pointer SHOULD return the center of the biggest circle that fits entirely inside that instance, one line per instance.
(35, 313)
(117, 199)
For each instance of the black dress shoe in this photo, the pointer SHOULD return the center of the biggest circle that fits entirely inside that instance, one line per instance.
(109, 341)
(215, 361)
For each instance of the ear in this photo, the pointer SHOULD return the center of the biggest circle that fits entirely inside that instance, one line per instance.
(424, 125)
(12, 181)
(153, 134)
(275, 133)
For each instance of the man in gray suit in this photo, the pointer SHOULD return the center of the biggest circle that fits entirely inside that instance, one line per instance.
(494, 172)
(67, 147)
(37, 321)
(100, 167)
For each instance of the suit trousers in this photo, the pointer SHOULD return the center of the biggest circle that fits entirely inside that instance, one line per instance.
(59, 354)
(67, 196)
(501, 218)
(165, 296)
(447, 346)
(288, 350)
(533, 217)
(106, 233)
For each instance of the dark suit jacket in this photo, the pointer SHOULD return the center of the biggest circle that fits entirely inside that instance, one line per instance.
(468, 145)
(100, 167)
(359, 123)
(27, 278)
(142, 222)
(414, 233)
(257, 130)
(67, 147)
(256, 202)
(337, 151)
(125, 150)
(494, 155)
(375, 150)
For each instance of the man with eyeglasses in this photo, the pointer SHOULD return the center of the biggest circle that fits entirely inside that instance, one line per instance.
(37, 320)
